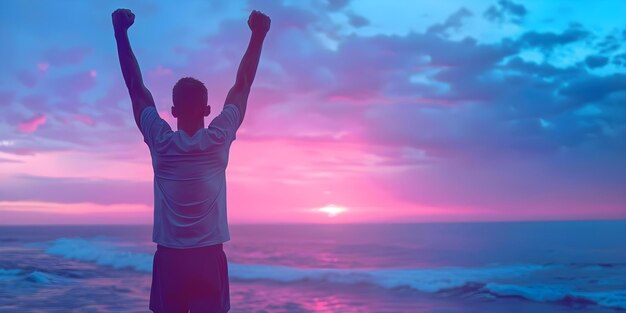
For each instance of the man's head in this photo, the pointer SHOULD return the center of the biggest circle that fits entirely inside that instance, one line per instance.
(190, 99)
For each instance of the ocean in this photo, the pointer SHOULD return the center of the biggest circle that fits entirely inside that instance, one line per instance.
(438, 267)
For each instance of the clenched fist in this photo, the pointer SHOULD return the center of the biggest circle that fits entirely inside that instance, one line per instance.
(122, 19)
(259, 22)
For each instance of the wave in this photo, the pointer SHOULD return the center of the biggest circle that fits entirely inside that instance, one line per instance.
(36, 277)
(9, 274)
(420, 279)
(101, 251)
(107, 253)
(551, 293)
(451, 280)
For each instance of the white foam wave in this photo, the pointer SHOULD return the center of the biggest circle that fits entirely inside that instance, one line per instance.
(425, 280)
(104, 252)
(39, 277)
(100, 251)
(36, 277)
(432, 280)
(547, 293)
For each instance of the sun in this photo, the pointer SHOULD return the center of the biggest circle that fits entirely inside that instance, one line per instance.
(332, 210)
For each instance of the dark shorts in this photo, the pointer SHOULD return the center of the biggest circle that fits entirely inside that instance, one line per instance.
(193, 279)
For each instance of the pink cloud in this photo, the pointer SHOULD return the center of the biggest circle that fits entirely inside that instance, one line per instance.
(30, 125)
(85, 119)
(43, 66)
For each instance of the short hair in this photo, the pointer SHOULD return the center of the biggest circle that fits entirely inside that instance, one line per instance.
(189, 92)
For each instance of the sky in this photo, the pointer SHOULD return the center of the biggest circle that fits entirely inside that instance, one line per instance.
(411, 111)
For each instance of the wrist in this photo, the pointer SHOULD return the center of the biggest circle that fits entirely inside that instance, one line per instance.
(120, 32)
(258, 35)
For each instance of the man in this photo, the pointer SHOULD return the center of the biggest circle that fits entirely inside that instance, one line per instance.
(189, 269)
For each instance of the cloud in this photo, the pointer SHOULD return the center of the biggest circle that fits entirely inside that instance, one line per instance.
(544, 70)
(512, 190)
(488, 93)
(75, 190)
(31, 125)
(23, 212)
(590, 88)
(71, 85)
(506, 11)
(64, 56)
(431, 119)
(108, 109)
(29, 145)
(595, 61)
(43, 66)
(6, 98)
(609, 44)
(27, 78)
(85, 119)
(6, 160)
(453, 22)
(357, 21)
(619, 59)
(335, 5)
(549, 40)
(35, 102)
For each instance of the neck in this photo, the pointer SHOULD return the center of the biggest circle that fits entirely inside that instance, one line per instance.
(190, 126)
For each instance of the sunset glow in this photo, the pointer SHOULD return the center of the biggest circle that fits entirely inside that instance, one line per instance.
(332, 210)
(407, 112)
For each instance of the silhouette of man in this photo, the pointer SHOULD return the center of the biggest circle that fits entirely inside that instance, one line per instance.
(189, 269)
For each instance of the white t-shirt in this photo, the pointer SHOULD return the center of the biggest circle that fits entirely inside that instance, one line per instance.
(190, 179)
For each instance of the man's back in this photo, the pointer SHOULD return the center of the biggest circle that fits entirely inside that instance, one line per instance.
(190, 179)
(190, 269)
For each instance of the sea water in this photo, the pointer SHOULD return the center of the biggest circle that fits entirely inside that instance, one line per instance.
(439, 267)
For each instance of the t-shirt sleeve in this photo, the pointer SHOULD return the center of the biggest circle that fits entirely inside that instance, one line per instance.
(152, 126)
(227, 122)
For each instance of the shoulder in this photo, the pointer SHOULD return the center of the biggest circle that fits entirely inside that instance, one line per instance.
(148, 111)
(233, 107)
(147, 115)
(234, 111)
(152, 126)
(150, 115)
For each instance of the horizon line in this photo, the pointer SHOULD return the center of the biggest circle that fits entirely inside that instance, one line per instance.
(345, 223)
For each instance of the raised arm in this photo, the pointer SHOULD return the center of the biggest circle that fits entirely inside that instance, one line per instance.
(140, 95)
(259, 24)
